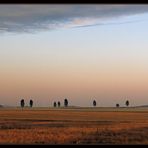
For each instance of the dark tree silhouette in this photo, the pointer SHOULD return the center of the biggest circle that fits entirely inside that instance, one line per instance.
(65, 102)
(59, 104)
(22, 103)
(117, 105)
(127, 103)
(54, 104)
(94, 103)
(31, 103)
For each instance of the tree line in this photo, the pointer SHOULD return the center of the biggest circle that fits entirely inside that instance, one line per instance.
(58, 104)
(126, 103)
(23, 103)
(55, 104)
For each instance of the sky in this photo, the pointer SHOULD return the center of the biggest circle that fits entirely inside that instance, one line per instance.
(79, 52)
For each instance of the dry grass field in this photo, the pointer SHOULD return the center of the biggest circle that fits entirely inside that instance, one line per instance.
(74, 126)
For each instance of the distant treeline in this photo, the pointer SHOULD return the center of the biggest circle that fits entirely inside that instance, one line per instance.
(65, 104)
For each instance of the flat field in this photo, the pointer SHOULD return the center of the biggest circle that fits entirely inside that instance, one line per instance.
(74, 126)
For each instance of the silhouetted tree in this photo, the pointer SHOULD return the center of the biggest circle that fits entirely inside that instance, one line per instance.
(127, 103)
(94, 103)
(54, 104)
(31, 103)
(65, 102)
(117, 105)
(22, 103)
(59, 104)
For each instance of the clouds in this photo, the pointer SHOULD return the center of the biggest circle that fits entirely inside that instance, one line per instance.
(34, 18)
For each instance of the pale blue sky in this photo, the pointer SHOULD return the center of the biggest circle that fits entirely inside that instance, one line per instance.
(106, 62)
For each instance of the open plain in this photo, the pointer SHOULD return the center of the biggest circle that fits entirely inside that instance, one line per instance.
(74, 125)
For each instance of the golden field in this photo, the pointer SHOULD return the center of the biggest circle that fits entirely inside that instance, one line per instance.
(74, 126)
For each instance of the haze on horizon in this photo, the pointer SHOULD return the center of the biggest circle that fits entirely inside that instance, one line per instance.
(79, 52)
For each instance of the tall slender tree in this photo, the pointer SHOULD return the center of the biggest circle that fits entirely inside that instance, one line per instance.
(22, 103)
(31, 103)
(59, 104)
(94, 103)
(65, 102)
(54, 104)
(127, 103)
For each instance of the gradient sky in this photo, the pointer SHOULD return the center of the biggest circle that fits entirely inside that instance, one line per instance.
(79, 52)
